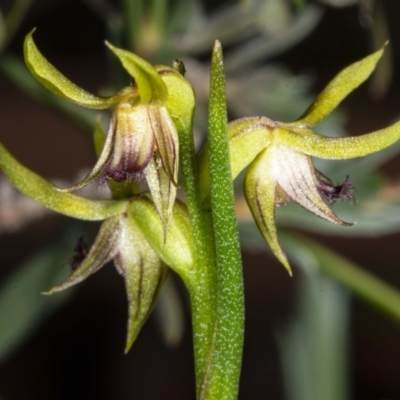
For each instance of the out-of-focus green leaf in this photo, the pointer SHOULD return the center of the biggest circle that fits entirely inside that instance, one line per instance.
(313, 343)
(22, 307)
(260, 48)
(169, 313)
(381, 295)
(10, 22)
(2, 31)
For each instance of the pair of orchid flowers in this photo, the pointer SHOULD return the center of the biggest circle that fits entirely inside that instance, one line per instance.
(147, 233)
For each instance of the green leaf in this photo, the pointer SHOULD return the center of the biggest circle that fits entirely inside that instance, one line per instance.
(46, 194)
(360, 282)
(313, 344)
(340, 87)
(224, 370)
(57, 83)
(150, 85)
(11, 22)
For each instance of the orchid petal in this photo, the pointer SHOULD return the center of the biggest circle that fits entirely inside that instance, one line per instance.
(295, 174)
(150, 86)
(260, 191)
(340, 87)
(310, 143)
(57, 83)
(133, 145)
(46, 194)
(102, 251)
(167, 141)
(163, 191)
(98, 169)
(143, 272)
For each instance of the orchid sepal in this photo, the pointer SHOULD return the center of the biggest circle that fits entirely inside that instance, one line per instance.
(49, 196)
(150, 85)
(340, 87)
(58, 84)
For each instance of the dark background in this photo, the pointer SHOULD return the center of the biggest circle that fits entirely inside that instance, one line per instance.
(78, 352)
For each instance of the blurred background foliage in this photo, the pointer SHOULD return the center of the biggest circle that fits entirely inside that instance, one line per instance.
(331, 331)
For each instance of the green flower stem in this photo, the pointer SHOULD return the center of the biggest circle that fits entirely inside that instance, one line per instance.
(223, 379)
(201, 282)
(362, 283)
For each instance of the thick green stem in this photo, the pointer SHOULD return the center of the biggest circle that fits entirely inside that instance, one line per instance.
(201, 283)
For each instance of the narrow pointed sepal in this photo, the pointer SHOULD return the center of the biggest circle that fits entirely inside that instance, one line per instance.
(143, 272)
(260, 191)
(100, 166)
(49, 196)
(103, 250)
(57, 83)
(150, 86)
(340, 87)
(308, 142)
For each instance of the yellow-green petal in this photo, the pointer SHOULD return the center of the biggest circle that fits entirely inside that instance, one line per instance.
(57, 83)
(143, 272)
(166, 138)
(150, 86)
(163, 192)
(46, 194)
(308, 142)
(98, 169)
(103, 250)
(340, 87)
(260, 191)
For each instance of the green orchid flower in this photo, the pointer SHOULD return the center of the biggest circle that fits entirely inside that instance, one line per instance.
(142, 141)
(279, 157)
(131, 234)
